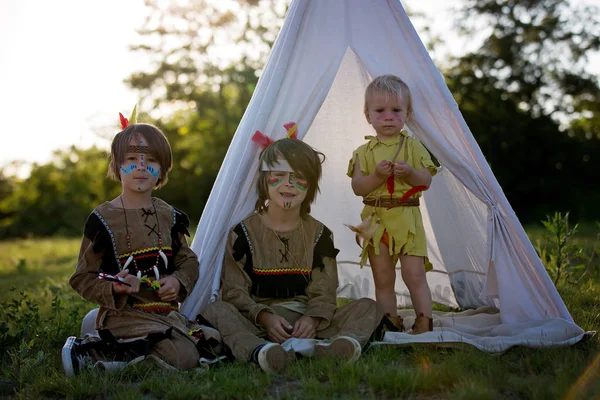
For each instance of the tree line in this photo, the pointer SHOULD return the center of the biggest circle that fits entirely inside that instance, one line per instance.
(525, 93)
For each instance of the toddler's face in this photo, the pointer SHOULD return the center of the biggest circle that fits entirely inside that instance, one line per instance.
(387, 114)
(286, 189)
(139, 171)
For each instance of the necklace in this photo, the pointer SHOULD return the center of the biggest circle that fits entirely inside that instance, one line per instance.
(160, 254)
(285, 245)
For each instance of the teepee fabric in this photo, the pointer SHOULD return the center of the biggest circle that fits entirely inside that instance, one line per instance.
(322, 61)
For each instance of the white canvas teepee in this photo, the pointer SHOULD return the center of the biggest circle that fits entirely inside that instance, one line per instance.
(321, 63)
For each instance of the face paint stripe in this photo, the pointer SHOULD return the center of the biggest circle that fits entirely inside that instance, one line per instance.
(303, 186)
(127, 170)
(273, 181)
(153, 172)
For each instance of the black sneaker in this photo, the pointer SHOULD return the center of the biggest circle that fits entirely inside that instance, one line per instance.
(73, 359)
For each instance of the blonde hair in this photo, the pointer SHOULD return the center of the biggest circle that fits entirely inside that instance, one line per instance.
(392, 86)
(302, 158)
(158, 145)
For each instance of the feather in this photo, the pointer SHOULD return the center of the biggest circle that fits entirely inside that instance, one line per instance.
(364, 231)
(390, 185)
(292, 130)
(263, 140)
(133, 117)
(411, 191)
(124, 121)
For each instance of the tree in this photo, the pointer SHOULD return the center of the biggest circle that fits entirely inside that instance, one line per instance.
(530, 103)
(537, 51)
(57, 197)
(202, 89)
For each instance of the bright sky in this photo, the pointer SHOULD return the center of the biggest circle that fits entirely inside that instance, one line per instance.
(62, 66)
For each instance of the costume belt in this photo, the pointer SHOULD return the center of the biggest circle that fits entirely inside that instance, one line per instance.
(386, 202)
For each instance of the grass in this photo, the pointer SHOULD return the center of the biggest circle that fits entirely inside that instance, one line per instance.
(42, 311)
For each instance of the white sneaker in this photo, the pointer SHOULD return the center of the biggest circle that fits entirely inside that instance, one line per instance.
(342, 348)
(273, 358)
(73, 359)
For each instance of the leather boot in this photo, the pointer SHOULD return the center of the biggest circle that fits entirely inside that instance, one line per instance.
(396, 322)
(422, 324)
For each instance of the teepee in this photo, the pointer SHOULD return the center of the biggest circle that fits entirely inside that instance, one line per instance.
(324, 57)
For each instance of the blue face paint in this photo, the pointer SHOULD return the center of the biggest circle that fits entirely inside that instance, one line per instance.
(127, 170)
(154, 172)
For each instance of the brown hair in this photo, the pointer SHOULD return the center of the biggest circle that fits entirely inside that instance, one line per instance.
(303, 159)
(392, 86)
(158, 145)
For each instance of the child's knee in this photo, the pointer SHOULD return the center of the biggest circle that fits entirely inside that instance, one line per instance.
(178, 352)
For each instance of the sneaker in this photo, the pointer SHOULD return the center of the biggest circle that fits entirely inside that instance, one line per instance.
(73, 359)
(342, 348)
(273, 358)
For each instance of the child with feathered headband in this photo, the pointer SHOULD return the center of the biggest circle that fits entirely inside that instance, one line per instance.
(279, 276)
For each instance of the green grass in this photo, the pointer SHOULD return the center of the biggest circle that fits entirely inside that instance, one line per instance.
(42, 311)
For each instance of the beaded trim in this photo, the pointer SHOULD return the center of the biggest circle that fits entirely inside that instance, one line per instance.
(319, 234)
(282, 271)
(155, 306)
(112, 238)
(138, 149)
(247, 237)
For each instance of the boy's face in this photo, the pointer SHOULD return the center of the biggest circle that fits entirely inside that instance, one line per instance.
(287, 190)
(139, 171)
(387, 114)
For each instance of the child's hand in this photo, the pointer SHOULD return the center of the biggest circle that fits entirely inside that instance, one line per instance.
(384, 169)
(402, 169)
(305, 327)
(275, 326)
(129, 279)
(169, 288)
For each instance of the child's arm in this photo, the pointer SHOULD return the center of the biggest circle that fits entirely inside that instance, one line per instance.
(363, 185)
(85, 279)
(412, 176)
(322, 292)
(322, 288)
(181, 282)
(236, 283)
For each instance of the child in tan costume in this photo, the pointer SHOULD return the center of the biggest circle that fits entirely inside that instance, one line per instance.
(134, 263)
(279, 275)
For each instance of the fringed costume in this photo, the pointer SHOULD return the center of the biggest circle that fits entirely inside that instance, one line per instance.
(291, 274)
(150, 243)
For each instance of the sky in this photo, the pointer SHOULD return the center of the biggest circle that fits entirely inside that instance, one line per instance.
(63, 63)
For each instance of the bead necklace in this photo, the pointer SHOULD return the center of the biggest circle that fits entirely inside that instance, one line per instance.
(160, 253)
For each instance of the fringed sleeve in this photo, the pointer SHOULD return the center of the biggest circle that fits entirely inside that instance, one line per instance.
(236, 283)
(95, 255)
(185, 260)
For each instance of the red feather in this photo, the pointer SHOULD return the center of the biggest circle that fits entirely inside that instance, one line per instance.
(413, 190)
(262, 140)
(289, 126)
(390, 185)
(124, 121)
